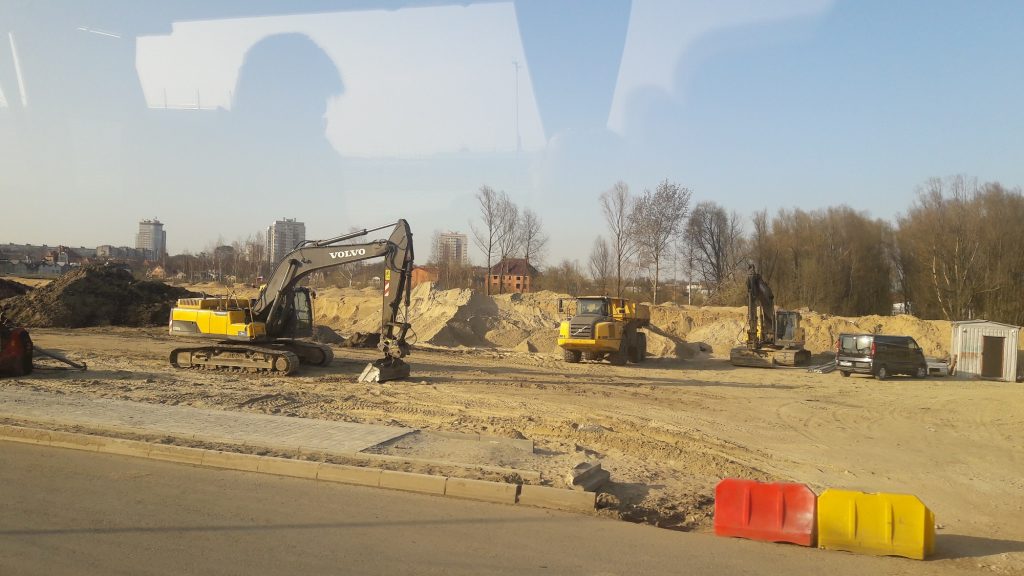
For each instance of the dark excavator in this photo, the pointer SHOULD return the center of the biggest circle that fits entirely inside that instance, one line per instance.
(774, 337)
(263, 334)
(15, 348)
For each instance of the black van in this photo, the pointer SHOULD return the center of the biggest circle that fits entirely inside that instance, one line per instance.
(879, 355)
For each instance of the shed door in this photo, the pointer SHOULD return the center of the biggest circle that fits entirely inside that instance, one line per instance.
(992, 356)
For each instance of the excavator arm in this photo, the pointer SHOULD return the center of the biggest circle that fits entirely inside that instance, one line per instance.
(760, 311)
(312, 256)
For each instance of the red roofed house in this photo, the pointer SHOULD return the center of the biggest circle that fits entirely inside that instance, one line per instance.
(511, 275)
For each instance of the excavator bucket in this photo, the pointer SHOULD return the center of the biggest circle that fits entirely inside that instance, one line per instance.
(743, 356)
(384, 369)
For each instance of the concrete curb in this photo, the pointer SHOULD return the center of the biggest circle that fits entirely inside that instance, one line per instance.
(462, 488)
(545, 497)
(482, 490)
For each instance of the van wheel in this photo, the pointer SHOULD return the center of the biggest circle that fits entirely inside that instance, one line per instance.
(882, 372)
(571, 356)
(844, 373)
(922, 371)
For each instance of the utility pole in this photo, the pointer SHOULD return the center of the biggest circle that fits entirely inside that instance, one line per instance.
(519, 140)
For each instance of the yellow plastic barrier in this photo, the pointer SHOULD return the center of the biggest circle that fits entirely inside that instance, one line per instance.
(882, 524)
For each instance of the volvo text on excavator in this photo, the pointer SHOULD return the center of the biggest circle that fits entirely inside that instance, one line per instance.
(262, 334)
(774, 337)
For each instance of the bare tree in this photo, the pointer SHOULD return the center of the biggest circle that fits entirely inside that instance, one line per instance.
(532, 236)
(509, 238)
(486, 237)
(617, 205)
(714, 239)
(762, 253)
(600, 264)
(656, 221)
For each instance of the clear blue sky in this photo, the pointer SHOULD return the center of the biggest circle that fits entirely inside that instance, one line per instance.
(220, 117)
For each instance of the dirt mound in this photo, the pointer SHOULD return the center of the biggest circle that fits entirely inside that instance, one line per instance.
(95, 296)
(325, 335)
(529, 323)
(362, 340)
(10, 288)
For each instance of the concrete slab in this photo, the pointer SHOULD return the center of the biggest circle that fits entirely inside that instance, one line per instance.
(281, 432)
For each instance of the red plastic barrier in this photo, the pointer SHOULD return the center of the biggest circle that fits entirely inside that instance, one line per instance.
(773, 512)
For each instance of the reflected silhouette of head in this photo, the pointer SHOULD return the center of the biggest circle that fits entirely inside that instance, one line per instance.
(284, 85)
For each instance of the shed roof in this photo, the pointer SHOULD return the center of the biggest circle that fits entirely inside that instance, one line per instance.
(980, 321)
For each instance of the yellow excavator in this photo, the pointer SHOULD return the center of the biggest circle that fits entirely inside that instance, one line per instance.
(264, 334)
(774, 337)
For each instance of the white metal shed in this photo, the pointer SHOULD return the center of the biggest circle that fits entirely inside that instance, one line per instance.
(984, 349)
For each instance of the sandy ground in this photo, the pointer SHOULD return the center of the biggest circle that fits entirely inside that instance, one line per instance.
(667, 430)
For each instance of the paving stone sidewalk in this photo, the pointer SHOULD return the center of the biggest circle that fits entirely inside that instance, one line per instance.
(263, 430)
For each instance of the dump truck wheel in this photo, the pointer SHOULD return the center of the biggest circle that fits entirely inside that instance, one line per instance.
(643, 347)
(571, 356)
(593, 356)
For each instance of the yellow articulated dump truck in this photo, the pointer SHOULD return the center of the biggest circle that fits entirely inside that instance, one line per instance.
(599, 327)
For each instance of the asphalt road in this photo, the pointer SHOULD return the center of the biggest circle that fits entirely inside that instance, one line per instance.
(70, 512)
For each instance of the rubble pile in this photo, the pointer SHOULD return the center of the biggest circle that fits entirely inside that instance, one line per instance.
(95, 296)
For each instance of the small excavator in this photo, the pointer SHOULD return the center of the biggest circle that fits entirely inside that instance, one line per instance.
(262, 334)
(15, 348)
(774, 337)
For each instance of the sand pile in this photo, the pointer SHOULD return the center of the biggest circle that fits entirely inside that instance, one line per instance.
(721, 328)
(95, 296)
(10, 288)
(450, 318)
(529, 323)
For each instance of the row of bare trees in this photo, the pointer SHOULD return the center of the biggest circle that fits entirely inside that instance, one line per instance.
(506, 231)
(957, 253)
(641, 234)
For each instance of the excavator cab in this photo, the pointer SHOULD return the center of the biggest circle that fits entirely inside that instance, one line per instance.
(297, 314)
(788, 332)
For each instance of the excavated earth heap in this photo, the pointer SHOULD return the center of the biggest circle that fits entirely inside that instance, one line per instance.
(10, 288)
(95, 296)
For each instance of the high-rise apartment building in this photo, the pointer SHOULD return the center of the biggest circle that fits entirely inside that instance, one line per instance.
(151, 239)
(282, 236)
(452, 248)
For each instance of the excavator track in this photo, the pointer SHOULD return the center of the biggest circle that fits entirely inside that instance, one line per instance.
(308, 352)
(236, 357)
